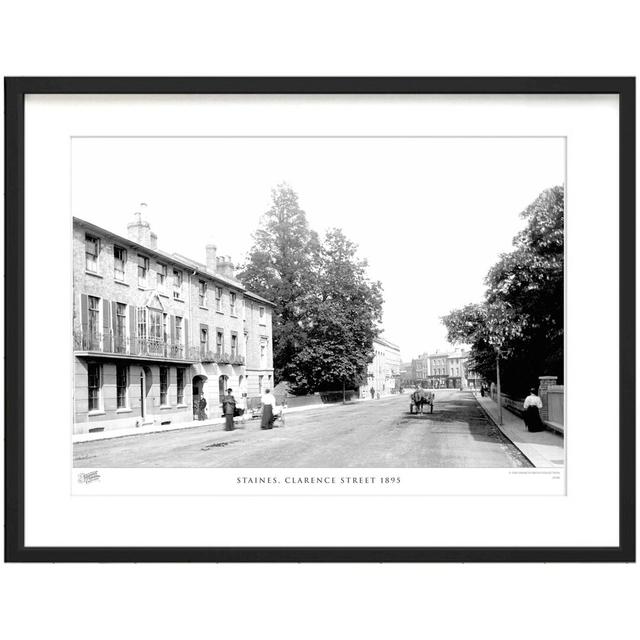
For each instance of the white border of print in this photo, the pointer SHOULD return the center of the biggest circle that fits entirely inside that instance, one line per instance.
(56, 518)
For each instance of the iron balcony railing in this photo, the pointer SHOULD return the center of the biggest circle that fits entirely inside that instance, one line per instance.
(116, 344)
(220, 358)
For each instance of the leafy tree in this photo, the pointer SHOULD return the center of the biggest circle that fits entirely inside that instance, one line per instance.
(280, 268)
(342, 319)
(522, 314)
(327, 311)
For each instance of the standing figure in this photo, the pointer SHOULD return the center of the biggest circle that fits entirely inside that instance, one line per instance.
(241, 409)
(228, 409)
(268, 410)
(372, 391)
(532, 405)
(202, 408)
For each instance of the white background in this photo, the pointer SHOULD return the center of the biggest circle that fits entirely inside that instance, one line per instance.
(587, 516)
(400, 38)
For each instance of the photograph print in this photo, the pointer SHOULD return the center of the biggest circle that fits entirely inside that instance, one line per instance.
(318, 302)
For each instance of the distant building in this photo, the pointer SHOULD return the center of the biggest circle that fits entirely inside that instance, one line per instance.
(439, 370)
(444, 370)
(155, 332)
(383, 373)
(455, 363)
(407, 374)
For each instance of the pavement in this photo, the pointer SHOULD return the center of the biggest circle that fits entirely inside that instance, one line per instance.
(542, 448)
(177, 426)
(370, 433)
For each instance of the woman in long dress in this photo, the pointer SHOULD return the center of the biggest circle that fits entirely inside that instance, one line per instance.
(268, 406)
(532, 405)
(228, 409)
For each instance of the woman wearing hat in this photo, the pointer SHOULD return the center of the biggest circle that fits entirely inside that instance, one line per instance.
(228, 410)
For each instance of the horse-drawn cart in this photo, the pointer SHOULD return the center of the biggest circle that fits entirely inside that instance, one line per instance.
(419, 398)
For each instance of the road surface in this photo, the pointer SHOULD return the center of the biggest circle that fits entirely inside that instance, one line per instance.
(370, 433)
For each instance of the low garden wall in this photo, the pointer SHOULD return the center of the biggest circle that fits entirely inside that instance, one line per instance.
(323, 397)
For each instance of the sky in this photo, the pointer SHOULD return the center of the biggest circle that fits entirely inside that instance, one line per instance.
(431, 215)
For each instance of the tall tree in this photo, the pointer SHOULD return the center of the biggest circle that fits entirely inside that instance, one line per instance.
(281, 268)
(524, 303)
(342, 319)
(327, 311)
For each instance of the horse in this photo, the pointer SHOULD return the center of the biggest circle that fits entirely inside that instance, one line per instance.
(419, 398)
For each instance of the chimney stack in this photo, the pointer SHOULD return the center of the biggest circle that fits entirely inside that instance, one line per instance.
(224, 266)
(139, 230)
(212, 263)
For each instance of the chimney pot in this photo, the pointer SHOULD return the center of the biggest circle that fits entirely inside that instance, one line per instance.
(212, 259)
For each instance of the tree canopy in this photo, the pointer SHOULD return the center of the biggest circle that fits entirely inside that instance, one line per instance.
(343, 312)
(279, 268)
(522, 314)
(327, 311)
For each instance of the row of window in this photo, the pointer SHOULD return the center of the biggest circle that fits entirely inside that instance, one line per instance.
(92, 251)
(202, 296)
(152, 328)
(438, 372)
(95, 378)
(150, 323)
(220, 345)
(204, 341)
(442, 371)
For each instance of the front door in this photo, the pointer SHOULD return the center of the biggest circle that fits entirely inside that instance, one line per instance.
(145, 387)
(196, 399)
(142, 396)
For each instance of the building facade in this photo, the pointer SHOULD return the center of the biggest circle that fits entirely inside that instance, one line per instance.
(154, 332)
(444, 370)
(383, 372)
(407, 374)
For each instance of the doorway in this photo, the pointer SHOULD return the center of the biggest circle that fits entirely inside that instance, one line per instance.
(146, 382)
(198, 395)
(223, 383)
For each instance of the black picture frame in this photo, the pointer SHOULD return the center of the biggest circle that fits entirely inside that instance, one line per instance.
(15, 91)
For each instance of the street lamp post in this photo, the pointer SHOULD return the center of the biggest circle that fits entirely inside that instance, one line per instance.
(501, 325)
(498, 386)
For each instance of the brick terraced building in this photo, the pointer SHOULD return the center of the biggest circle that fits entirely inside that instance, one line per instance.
(153, 332)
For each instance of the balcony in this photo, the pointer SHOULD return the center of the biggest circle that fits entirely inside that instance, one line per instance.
(221, 358)
(108, 344)
(145, 348)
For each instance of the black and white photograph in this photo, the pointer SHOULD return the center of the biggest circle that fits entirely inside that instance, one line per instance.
(320, 320)
(318, 302)
(363, 315)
